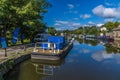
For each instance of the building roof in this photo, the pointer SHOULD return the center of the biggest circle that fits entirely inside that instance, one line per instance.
(117, 29)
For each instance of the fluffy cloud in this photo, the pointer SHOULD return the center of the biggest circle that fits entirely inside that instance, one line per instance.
(109, 20)
(62, 25)
(106, 12)
(76, 18)
(85, 16)
(71, 6)
(76, 24)
(61, 22)
(91, 23)
(99, 25)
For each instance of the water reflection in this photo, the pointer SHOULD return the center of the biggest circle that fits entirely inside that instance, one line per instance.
(88, 60)
(43, 69)
(116, 44)
(110, 46)
(34, 70)
(114, 47)
(92, 42)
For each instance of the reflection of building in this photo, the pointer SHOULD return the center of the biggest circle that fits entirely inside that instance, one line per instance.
(44, 69)
(116, 44)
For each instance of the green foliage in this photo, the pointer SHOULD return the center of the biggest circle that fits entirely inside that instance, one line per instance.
(87, 30)
(111, 25)
(51, 30)
(26, 14)
(1, 78)
(10, 64)
(93, 30)
(116, 24)
(78, 31)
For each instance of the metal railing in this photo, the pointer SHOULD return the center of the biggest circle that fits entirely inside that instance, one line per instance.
(46, 47)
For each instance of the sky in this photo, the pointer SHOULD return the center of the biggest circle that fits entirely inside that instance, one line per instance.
(71, 14)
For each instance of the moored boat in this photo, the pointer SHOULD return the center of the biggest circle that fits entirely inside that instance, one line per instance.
(56, 49)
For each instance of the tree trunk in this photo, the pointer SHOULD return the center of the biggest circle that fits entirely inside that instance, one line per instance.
(22, 41)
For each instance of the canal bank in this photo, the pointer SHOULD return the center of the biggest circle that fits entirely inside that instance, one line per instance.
(12, 61)
(16, 55)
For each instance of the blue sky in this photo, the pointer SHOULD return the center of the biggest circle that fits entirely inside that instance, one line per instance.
(71, 14)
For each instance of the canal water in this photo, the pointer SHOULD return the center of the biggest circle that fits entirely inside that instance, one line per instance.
(88, 60)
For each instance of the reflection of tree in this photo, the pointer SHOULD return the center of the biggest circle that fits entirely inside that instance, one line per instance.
(79, 40)
(92, 42)
(87, 41)
(111, 49)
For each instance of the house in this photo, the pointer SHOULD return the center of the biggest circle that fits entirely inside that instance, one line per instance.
(103, 30)
(116, 33)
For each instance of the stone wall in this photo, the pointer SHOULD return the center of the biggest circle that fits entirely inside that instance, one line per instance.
(9, 64)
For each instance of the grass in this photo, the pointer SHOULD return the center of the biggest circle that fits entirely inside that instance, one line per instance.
(26, 41)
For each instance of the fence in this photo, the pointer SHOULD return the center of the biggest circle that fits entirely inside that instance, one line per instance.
(46, 47)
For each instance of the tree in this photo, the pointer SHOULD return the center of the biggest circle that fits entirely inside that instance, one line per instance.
(109, 26)
(79, 31)
(93, 30)
(34, 29)
(21, 13)
(52, 30)
(29, 13)
(117, 24)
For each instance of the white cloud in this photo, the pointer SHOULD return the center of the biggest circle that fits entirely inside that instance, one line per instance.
(109, 4)
(57, 24)
(109, 20)
(85, 16)
(106, 12)
(76, 18)
(62, 25)
(101, 55)
(99, 24)
(77, 24)
(71, 6)
(91, 23)
(61, 22)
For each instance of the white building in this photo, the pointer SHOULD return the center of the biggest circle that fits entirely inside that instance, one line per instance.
(102, 29)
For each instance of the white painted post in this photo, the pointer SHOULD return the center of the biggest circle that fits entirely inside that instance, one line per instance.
(58, 51)
(35, 48)
(54, 47)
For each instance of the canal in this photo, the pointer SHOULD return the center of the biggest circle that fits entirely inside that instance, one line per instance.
(88, 60)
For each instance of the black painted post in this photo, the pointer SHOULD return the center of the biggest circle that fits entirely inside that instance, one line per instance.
(5, 52)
